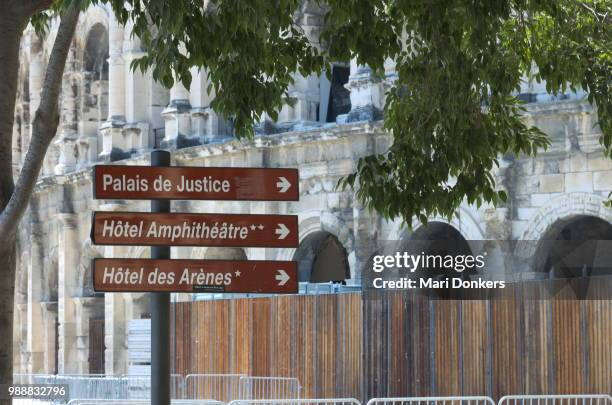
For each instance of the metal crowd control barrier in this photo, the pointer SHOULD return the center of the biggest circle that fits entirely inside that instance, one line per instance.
(92, 387)
(475, 400)
(141, 402)
(220, 387)
(269, 388)
(582, 399)
(318, 401)
(139, 386)
(20, 378)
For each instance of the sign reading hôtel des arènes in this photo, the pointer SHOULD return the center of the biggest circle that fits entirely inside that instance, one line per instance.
(183, 275)
(194, 229)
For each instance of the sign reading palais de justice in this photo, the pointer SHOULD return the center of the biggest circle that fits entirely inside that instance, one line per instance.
(195, 183)
(181, 275)
(186, 229)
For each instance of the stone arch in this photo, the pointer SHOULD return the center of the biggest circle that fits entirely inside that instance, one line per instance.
(95, 52)
(316, 226)
(94, 77)
(322, 258)
(562, 207)
(94, 16)
(313, 221)
(434, 242)
(465, 223)
(576, 246)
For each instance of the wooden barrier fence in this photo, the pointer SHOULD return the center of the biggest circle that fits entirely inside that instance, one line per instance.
(366, 345)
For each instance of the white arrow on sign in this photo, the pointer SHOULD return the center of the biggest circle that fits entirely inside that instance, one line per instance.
(282, 277)
(282, 231)
(283, 184)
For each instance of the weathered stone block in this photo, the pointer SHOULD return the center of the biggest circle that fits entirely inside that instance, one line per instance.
(602, 181)
(340, 167)
(578, 163)
(581, 181)
(312, 170)
(541, 199)
(552, 183)
(527, 184)
(598, 163)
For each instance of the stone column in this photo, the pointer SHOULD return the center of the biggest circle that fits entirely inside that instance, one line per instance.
(113, 142)
(115, 334)
(206, 125)
(91, 114)
(305, 90)
(49, 323)
(35, 347)
(178, 120)
(137, 130)
(367, 94)
(20, 337)
(67, 288)
(305, 95)
(366, 228)
(86, 308)
(67, 141)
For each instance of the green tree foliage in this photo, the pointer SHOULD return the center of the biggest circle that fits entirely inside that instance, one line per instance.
(453, 109)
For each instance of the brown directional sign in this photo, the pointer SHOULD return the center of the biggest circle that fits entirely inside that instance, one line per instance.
(222, 276)
(195, 183)
(179, 229)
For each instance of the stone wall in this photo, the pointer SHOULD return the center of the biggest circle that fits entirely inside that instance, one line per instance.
(125, 114)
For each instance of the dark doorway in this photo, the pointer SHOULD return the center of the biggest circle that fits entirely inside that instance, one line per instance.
(438, 241)
(339, 97)
(577, 247)
(321, 259)
(96, 346)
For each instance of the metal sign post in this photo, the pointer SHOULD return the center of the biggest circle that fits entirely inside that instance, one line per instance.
(160, 309)
(161, 229)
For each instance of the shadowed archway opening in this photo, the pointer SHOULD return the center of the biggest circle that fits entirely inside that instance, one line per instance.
(95, 59)
(580, 246)
(439, 244)
(321, 259)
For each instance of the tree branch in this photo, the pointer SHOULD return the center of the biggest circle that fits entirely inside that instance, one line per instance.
(44, 125)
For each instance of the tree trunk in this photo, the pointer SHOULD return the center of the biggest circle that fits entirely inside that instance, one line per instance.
(11, 28)
(14, 199)
(7, 295)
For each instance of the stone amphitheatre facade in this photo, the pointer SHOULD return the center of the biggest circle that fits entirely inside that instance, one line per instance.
(111, 113)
